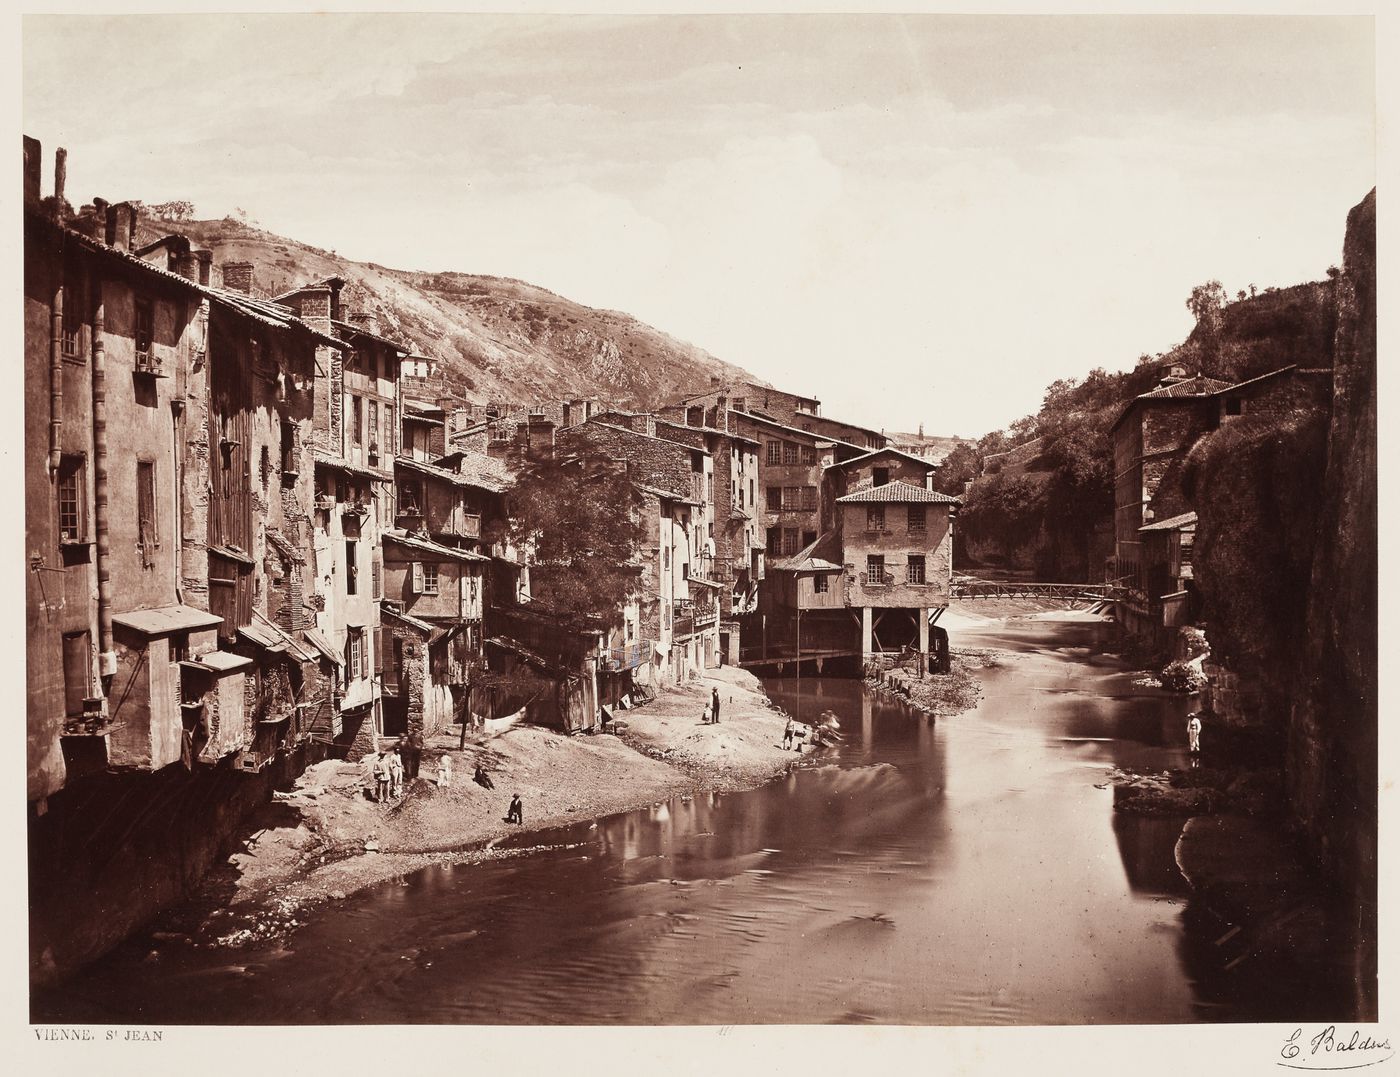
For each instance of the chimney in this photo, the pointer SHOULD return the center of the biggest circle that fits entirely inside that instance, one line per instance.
(33, 166)
(714, 379)
(60, 181)
(121, 225)
(238, 277)
(205, 260)
(366, 320)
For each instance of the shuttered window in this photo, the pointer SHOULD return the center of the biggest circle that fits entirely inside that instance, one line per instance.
(430, 578)
(417, 577)
(77, 671)
(376, 578)
(148, 534)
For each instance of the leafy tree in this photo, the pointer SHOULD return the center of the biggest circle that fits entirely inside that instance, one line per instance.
(1205, 304)
(173, 211)
(959, 466)
(580, 521)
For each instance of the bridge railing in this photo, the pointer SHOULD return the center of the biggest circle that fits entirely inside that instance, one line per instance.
(972, 587)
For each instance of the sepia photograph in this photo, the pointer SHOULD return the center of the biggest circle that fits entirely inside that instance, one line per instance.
(701, 520)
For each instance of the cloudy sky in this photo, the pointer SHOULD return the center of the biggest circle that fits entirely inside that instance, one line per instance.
(918, 219)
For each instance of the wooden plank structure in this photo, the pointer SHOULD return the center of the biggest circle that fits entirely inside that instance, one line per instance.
(965, 587)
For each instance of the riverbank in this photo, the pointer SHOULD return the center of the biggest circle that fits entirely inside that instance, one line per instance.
(327, 838)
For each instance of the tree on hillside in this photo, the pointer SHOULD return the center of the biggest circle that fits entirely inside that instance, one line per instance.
(580, 521)
(1205, 303)
(959, 467)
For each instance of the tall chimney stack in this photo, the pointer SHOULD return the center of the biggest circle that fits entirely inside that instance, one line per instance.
(238, 277)
(60, 181)
(121, 225)
(204, 259)
(33, 166)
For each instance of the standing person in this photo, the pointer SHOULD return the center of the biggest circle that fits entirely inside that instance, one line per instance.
(444, 770)
(395, 773)
(714, 703)
(788, 731)
(515, 813)
(1193, 733)
(381, 777)
(412, 756)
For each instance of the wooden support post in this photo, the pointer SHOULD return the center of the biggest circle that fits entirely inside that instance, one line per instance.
(865, 632)
(923, 643)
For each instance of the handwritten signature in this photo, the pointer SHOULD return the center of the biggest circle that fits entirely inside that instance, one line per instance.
(1333, 1050)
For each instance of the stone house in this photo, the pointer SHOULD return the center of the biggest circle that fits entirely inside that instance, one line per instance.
(165, 503)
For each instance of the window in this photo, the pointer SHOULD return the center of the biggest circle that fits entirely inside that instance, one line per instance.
(430, 577)
(72, 500)
(374, 427)
(809, 454)
(410, 497)
(144, 331)
(820, 583)
(916, 568)
(1234, 406)
(775, 542)
(376, 569)
(790, 546)
(685, 571)
(77, 672)
(355, 665)
(875, 569)
(775, 499)
(352, 568)
(809, 498)
(918, 517)
(72, 324)
(875, 518)
(753, 492)
(356, 417)
(789, 452)
(808, 537)
(289, 448)
(739, 404)
(882, 476)
(148, 534)
(390, 432)
(792, 497)
(775, 452)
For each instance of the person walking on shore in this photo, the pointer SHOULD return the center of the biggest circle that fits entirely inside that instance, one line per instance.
(714, 704)
(381, 777)
(1193, 733)
(515, 813)
(395, 773)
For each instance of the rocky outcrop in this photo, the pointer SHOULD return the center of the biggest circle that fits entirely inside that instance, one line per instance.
(1331, 770)
(1285, 563)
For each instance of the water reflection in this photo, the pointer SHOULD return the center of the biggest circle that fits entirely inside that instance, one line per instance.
(965, 871)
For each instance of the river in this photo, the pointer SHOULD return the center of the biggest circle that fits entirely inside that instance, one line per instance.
(969, 871)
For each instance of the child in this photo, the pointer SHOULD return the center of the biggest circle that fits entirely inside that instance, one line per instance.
(444, 771)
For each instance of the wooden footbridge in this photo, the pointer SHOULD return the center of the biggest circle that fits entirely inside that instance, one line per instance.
(973, 587)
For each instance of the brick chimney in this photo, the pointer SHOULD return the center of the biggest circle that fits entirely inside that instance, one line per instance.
(205, 260)
(33, 167)
(366, 320)
(121, 226)
(238, 277)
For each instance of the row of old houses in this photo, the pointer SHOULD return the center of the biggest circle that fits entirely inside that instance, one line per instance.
(245, 536)
(1154, 523)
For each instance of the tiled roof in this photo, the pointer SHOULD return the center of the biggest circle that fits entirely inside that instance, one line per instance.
(808, 560)
(899, 490)
(1200, 385)
(1172, 524)
(890, 449)
(350, 329)
(429, 546)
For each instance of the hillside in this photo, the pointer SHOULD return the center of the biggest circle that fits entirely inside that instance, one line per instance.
(494, 339)
(1041, 493)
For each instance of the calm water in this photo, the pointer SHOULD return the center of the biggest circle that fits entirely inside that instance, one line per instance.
(967, 871)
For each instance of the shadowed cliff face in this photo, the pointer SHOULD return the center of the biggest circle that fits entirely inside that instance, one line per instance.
(1332, 740)
(1285, 562)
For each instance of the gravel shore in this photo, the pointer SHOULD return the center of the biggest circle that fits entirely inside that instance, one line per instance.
(328, 838)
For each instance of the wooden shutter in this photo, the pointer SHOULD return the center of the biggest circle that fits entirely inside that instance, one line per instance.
(417, 577)
(77, 671)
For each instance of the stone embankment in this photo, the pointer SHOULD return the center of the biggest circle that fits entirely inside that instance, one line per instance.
(328, 838)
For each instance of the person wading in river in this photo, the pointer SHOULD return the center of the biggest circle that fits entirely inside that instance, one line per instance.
(515, 813)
